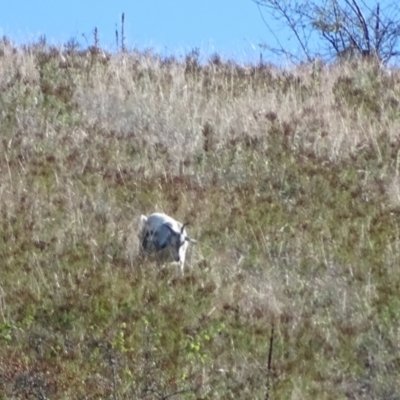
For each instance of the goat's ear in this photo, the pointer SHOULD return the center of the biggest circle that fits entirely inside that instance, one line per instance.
(188, 239)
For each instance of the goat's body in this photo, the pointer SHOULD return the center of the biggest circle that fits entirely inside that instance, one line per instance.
(165, 238)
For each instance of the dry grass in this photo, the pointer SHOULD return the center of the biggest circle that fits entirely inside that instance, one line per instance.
(290, 182)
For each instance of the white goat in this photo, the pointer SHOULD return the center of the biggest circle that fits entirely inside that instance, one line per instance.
(164, 237)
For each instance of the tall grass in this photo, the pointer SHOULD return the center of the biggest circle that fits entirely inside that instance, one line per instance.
(290, 180)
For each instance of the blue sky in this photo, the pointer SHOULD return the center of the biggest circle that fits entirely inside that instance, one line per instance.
(233, 28)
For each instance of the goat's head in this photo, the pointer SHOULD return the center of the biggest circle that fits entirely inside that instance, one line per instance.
(179, 242)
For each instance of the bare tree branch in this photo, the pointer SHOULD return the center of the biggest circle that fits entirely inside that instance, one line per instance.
(350, 28)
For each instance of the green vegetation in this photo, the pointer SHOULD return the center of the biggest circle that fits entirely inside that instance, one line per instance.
(290, 180)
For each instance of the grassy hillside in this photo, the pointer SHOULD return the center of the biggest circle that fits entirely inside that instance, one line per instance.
(290, 182)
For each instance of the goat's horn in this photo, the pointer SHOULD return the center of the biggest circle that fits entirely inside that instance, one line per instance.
(183, 226)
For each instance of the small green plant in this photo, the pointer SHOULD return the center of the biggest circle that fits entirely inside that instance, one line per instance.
(197, 346)
(6, 332)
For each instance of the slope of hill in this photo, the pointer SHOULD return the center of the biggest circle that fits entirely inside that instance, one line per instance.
(290, 182)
